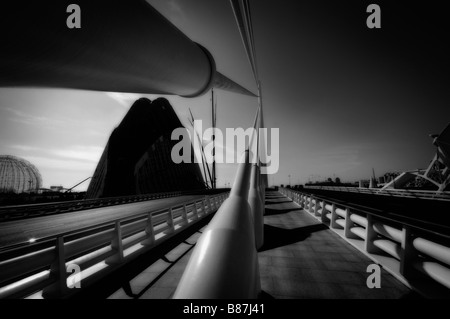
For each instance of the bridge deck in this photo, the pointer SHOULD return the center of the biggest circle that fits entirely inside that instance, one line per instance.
(301, 258)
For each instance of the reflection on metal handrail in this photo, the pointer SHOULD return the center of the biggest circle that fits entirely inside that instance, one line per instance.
(224, 263)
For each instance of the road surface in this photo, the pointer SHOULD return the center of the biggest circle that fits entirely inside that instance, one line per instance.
(19, 231)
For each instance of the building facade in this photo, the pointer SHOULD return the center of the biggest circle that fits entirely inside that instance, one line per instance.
(137, 158)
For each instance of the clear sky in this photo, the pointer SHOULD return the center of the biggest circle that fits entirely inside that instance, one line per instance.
(345, 98)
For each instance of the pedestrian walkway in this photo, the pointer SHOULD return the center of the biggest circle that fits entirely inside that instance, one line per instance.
(300, 259)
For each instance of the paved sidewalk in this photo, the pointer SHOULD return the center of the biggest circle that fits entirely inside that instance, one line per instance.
(302, 258)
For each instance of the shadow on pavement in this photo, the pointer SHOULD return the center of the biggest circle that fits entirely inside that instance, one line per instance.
(272, 212)
(269, 202)
(277, 237)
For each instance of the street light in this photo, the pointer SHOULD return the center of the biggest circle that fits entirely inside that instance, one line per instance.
(289, 180)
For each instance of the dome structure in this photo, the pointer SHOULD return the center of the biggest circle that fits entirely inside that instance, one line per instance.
(18, 175)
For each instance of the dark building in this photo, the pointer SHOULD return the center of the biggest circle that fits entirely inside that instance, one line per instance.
(137, 157)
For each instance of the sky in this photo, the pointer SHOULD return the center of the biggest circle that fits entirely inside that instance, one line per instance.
(345, 98)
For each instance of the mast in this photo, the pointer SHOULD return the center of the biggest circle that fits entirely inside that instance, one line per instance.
(213, 120)
(202, 151)
(262, 142)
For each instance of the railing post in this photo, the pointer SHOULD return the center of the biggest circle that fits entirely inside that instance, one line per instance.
(334, 216)
(149, 231)
(210, 205)
(185, 215)
(348, 225)
(203, 207)
(58, 272)
(407, 253)
(371, 235)
(170, 221)
(310, 208)
(194, 210)
(316, 208)
(116, 246)
(323, 216)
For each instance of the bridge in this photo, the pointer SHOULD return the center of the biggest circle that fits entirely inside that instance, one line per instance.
(249, 242)
(314, 247)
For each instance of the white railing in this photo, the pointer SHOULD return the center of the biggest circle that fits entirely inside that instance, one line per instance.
(400, 247)
(224, 263)
(46, 266)
(424, 194)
